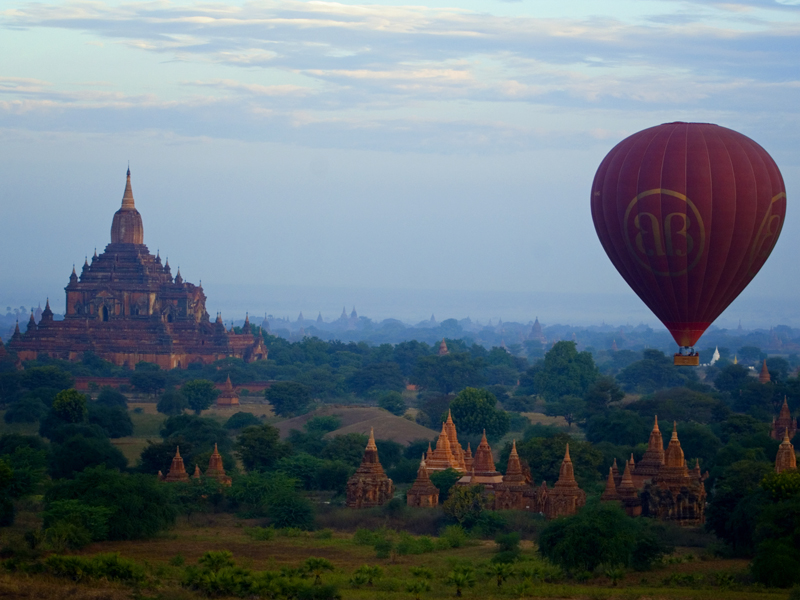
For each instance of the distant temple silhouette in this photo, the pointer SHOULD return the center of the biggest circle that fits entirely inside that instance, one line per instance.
(126, 307)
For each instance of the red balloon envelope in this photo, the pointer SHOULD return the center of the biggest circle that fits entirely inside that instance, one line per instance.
(688, 213)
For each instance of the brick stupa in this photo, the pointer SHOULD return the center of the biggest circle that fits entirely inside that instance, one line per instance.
(514, 492)
(786, 459)
(369, 486)
(566, 497)
(610, 494)
(228, 395)
(785, 422)
(653, 458)
(177, 471)
(423, 493)
(442, 458)
(215, 469)
(675, 494)
(483, 471)
(628, 494)
(764, 376)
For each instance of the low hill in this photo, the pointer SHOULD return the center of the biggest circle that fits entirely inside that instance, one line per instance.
(359, 419)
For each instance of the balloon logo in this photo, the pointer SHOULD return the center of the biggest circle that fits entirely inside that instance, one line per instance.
(688, 213)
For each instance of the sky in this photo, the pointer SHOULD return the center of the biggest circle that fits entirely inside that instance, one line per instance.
(393, 156)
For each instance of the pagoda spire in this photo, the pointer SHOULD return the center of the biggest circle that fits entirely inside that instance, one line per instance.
(764, 376)
(610, 494)
(127, 196)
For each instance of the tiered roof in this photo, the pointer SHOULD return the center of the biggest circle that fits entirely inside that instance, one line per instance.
(177, 471)
(786, 458)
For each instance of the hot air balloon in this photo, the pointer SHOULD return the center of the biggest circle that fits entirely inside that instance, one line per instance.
(688, 213)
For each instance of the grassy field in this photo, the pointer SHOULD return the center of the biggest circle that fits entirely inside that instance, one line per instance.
(165, 558)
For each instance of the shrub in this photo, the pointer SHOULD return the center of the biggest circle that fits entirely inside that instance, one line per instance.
(92, 519)
(261, 534)
(25, 410)
(453, 536)
(410, 545)
(240, 420)
(101, 566)
(776, 564)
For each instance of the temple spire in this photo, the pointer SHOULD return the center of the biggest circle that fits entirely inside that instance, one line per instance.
(127, 196)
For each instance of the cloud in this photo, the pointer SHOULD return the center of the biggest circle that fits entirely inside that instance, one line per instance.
(393, 69)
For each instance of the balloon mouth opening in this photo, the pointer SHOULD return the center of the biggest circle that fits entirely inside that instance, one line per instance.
(687, 334)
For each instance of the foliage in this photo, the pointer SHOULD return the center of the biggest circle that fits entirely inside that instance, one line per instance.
(545, 455)
(317, 566)
(241, 419)
(782, 486)
(70, 406)
(569, 407)
(348, 448)
(563, 372)
(474, 411)
(148, 381)
(602, 393)
(393, 402)
(377, 376)
(114, 420)
(618, 426)
(46, 377)
(200, 394)
(465, 504)
(25, 410)
(108, 396)
(92, 519)
(681, 404)
(500, 572)
(599, 534)
(100, 566)
(449, 373)
(172, 403)
(288, 398)
(460, 578)
(444, 481)
(139, 503)
(776, 564)
(78, 453)
(316, 473)
(654, 372)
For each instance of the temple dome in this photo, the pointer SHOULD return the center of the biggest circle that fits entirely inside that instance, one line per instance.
(127, 227)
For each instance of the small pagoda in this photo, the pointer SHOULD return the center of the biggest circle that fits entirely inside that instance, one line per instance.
(627, 492)
(215, 469)
(369, 486)
(786, 459)
(442, 457)
(483, 471)
(228, 395)
(515, 492)
(764, 376)
(423, 494)
(566, 497)
(610, 494)
(177, 471)
(784, 423)
(653, 458)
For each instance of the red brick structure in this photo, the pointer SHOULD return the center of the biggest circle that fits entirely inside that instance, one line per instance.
(784, 423)
(177, 471)
(215, 468)
(764, 376)
(228, 395)
(369, 486)
(786, 459)
(126, 307)
(423, 493)
(566, 497)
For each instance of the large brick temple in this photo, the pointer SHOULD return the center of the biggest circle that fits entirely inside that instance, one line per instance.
(126, 307)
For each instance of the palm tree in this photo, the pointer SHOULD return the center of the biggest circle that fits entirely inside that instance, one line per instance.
(316, 566)
(417, 587)
(501, 571)
(461, 578)
(370, 572)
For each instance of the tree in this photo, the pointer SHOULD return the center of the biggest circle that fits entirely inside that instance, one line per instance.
(681, 404)
(200, 394)
(393, 402)
(654, 372)
(108, 396)
(600, 534)
(316, 566)
(569, 407)
(461, 578)
(25, 410)
(377, 376)
(544, 457)
(750, 355)
(288, 398)
(140, 505)
(466, 504)
(778, 368)
(448, 373)
(241, 419)
(444, 481)
(474, 411)
(114, 420)
(172, 403)
(70, 406)
(617, 426)
(259, 447)
(731, 378)
(602, 393)
(348, 448)
(49, 377)
(564, 371)
(78, 453)
(148, 381)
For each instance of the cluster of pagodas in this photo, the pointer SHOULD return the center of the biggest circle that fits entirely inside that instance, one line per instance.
(177, 470)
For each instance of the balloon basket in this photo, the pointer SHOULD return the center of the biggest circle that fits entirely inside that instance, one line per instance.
(687, 361)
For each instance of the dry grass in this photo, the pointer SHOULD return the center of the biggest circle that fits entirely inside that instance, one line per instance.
(360, 419)
(542, 419)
